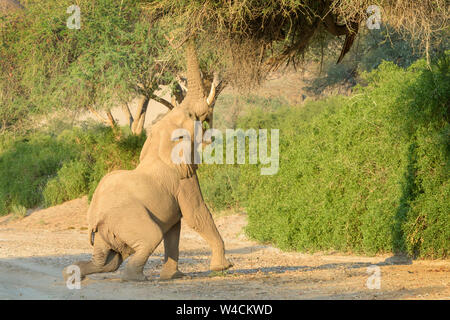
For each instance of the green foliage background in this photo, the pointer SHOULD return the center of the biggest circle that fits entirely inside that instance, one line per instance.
(48, 168)
(367, 173)
(117, 54)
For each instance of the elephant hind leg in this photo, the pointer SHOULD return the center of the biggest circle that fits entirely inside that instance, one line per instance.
(113, 261)
(103, 260)
(142, 235)
(171, 253)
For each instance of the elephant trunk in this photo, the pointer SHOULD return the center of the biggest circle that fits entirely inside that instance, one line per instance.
(195, 86)
(195, 98)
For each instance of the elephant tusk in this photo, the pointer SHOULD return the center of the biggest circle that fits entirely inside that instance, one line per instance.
(212, 92)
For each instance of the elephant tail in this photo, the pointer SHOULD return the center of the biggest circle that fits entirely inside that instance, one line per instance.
(92, 232)
(92, 238)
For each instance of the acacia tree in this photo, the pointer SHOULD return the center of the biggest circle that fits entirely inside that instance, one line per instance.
(121, 54)
(118, 54)
(251, 38)
(128, 48)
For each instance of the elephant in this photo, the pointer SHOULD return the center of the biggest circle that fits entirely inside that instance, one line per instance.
(132, 211)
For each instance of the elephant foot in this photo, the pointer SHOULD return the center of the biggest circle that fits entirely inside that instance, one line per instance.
(220, 265)
(170, 274)
(131, 275)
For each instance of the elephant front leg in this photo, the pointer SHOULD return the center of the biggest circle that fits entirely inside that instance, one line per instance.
(199, 218)
(171, 253)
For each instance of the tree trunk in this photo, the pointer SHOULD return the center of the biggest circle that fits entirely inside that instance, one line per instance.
(164, 102)
(139, 119)
(427, 50)
(140, 124)
(111, 120)
(126, 110)
(97, 115)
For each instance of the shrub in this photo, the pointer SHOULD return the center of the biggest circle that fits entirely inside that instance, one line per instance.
(26, 164)
(18, 211)
(220, 186)
(70, 182)
(366, 174)
(48, 168)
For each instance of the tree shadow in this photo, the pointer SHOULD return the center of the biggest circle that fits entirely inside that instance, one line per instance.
(410, 190)
(284, 269)
(207, 251)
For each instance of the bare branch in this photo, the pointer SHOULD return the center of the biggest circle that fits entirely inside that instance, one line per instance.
(111, 120)
(95, 113)
(127, 111)
(164, 102)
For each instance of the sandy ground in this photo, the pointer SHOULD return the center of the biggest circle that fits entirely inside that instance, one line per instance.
(34, 250)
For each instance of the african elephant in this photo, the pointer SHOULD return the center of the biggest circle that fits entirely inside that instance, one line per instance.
(133, 210)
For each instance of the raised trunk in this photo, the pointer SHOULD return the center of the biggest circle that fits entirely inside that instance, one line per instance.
(195, 86)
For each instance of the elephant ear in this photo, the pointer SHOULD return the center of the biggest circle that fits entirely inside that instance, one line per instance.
(159, 145)
(186, 170)
(169, 144)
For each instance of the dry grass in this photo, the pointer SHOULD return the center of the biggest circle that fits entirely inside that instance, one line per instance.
(253, 37)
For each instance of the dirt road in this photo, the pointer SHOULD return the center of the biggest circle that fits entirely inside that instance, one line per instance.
(34, 250)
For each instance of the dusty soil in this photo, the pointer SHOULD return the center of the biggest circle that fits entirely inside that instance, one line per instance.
(34, 250)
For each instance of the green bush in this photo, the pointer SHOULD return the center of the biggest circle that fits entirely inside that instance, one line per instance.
(366, 174)
(26, 165)
(71, 181)
(373, 47)
(47, 169)
(220, 186)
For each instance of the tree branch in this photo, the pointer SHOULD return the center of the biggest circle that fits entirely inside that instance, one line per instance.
(127, 111)
(95, 113)
(162, 101)
(111, 120)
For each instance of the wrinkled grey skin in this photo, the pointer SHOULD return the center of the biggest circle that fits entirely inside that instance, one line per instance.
(132, 211)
